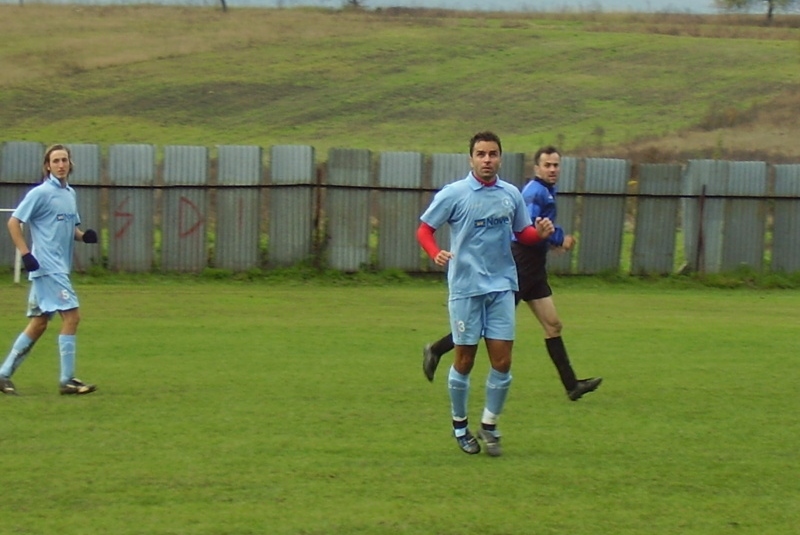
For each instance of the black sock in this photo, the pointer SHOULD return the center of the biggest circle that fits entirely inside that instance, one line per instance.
(558, 354)
(443, 345)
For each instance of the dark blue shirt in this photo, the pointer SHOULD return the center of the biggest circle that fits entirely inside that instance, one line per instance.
(540, 200)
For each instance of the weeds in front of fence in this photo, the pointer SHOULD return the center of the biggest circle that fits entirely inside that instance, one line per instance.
(307, 273)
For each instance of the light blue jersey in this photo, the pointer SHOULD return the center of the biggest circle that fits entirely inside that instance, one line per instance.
(51, 213)
(482, 219)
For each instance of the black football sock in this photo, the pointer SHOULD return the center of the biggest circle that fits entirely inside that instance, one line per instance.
(558, 354)
(443, 345)
(460, 427)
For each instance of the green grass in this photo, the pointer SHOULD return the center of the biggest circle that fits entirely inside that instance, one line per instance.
(300, 408)
(327, 78)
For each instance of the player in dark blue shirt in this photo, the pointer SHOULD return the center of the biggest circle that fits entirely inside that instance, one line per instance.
(540, 199)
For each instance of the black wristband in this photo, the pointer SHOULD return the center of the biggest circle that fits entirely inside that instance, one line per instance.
(90, 236)
(30, 262)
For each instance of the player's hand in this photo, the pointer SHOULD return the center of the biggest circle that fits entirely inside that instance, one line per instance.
(442, 257)
(31, 264)
(90, 236)
(569, 242)
(544, 227)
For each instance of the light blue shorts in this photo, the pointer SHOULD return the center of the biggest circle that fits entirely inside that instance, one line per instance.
(51, 293)
(490, 316)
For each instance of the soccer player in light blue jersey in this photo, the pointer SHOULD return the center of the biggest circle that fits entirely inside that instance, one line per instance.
(483, 213)
(540, 198)
(51, 213)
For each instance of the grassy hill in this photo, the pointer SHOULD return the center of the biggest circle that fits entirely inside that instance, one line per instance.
(649, 87)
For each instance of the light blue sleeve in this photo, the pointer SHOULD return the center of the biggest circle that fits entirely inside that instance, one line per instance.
(27, 206)
(77, 215)
(438, 213)
(522, 218)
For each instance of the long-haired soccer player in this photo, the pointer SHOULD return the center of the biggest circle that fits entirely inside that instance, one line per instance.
(51, 213)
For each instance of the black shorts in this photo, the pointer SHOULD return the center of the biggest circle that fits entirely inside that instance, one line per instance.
(531, 272)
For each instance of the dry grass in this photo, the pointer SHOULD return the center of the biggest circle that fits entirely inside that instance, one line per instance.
(740, 26)
(104, 36)
(108, 36)
(128, 44)
(768, 132)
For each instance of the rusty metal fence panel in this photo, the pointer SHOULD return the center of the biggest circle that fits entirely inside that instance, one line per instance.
(566, 214)
(513, 168)
(87, 173)
(603, 217)
(656, 219)
(703, 217)
(786, 224)
(447, 168)
(185, 209)
(745, 216)
(238, 207)
(399, 210)
(131, 173)
(22, 162)
(347, 209)
(292, 204)
(728, 209)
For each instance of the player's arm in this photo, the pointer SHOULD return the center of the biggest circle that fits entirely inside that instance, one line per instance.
(542, 227)
(428, 243)
(533, 234)
(568, 242)
(536, 205)
(15, 230)
(536, 209)
(557, 238)
(17, 237)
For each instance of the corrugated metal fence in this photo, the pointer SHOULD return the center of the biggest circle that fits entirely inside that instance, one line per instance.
(180, 210)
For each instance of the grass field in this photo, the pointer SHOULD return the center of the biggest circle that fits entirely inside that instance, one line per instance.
(422, 80)
(253, 408)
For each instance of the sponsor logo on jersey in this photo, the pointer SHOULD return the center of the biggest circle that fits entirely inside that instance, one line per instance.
(492, 221)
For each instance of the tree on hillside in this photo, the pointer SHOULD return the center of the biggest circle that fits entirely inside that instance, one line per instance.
(741, 5)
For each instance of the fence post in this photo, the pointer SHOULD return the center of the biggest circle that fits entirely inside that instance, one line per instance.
(293, 180)
(184, 237)
(132, 171)
(745, 218)
(786, 226)
(20, 170)
(603, 217)
(708, 225)
(347, 209)
(656, 219)
(398, 210)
